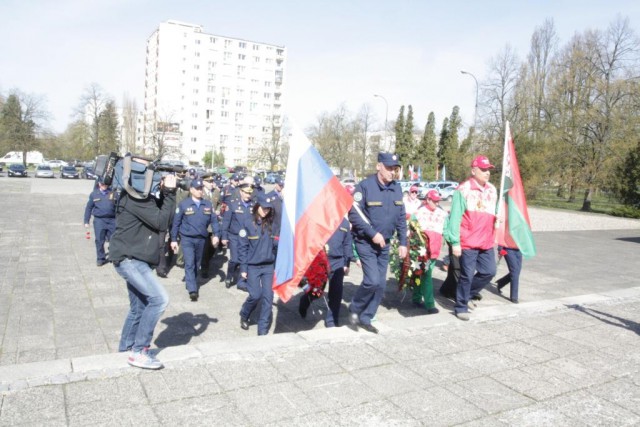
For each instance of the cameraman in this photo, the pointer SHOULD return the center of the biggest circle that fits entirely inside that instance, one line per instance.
(134, 251)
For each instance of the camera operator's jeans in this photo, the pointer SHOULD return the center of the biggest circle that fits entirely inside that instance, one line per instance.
(147, 301)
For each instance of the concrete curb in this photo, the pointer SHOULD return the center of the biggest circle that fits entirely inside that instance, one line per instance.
(62, 371)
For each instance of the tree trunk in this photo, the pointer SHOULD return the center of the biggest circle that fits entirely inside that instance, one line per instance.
(586, 204)
(572, 193)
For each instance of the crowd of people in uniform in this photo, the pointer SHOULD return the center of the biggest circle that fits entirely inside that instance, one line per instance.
(243, 220)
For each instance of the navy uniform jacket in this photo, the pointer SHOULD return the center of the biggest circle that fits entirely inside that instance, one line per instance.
(100, 205)
(383, 208)
(234, 216)
(227, 193)
(255, 245)
(277, 202)
(340, 250)
(193, 221)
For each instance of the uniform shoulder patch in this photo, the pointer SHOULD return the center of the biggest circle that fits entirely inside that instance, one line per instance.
(242, 233)
(177, 210)
(357, 196)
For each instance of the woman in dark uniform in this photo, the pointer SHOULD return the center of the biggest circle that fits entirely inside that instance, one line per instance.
(257, 246)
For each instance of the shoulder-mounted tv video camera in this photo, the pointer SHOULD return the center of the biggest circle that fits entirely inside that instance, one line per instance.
(137, 175)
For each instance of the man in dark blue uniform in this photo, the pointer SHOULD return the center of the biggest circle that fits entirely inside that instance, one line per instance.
(377, 213)
(258, 189)
(227, 192)
(102, 205)
(232, 220)
(193, 217)
(339, 253)
(276, 195)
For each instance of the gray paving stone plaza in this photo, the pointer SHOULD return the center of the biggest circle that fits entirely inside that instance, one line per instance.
(566, 355)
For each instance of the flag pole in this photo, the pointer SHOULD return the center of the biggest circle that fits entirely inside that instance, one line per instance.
(505, 156)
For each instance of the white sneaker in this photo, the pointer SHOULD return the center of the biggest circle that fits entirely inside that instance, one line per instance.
(142, 359)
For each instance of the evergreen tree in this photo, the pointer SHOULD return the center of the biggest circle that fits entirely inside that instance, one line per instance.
(629, 178)
(426, 156)
(408, 155)
(108, 130)
(442, 142)
(399, 130)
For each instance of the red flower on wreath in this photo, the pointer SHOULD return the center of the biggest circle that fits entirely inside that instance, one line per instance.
(316, 275)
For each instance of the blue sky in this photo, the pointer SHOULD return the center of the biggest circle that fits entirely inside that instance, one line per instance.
(411, 52)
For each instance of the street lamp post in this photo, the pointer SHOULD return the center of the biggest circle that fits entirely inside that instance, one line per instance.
(475, 112)
(386, 117)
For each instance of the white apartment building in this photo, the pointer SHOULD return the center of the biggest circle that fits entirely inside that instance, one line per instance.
(205, 91)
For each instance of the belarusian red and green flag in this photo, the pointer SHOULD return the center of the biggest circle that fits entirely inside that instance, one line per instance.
(515, 230)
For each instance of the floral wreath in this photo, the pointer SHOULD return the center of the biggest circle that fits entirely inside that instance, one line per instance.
(316, 276)
(408, 271)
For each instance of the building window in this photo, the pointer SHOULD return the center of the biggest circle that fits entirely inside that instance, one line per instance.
(194, 139)
(224, 101)
(197, 54)
(267, 95)
(211, 88)
(241, 56)
(225, 92)
(224, 114)
(256, 47)
(269, 61)
(256, 59)
(239, 104)
(212, 39)
(227, 56)
(242, 45)
(196, 79)
(238, 117)
(241, 69)
(197, 41)
(227, 43)
(267, 84)
(223, 138)
(194, 127)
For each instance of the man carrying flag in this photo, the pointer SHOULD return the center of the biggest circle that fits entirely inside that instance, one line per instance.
(377, 213)
(314, 204)
(514, 236)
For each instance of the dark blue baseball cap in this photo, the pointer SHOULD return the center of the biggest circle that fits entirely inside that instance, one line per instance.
(280, 182)
(235, 177)
(197, 183)
(389, 159)
(265, 201)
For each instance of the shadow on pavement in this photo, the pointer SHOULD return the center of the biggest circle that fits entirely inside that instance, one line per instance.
(629, 239)
(181, 328)
(604, 317)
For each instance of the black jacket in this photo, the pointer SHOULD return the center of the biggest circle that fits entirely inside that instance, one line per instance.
(138, 224)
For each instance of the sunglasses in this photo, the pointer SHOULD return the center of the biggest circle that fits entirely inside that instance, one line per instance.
(414, 192)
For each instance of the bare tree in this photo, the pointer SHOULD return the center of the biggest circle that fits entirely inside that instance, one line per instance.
(92, 103)
(270, 150)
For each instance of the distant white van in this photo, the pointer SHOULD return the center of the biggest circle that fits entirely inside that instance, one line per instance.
(33, 158)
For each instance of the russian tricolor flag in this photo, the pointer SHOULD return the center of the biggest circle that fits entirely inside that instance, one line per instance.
(314, 204)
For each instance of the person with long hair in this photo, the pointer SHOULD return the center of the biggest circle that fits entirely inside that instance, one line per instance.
(257, 247)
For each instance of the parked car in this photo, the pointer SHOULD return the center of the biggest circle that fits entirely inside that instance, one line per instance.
(44, 171)
(69, 172)
(88, 173)
(270, 178)
(56, 163)
(447, 192)
(17, 169)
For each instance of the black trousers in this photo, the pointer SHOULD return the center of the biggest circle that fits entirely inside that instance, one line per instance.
(450, 285)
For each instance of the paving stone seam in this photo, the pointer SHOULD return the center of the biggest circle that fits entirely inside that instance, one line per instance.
(62, 371)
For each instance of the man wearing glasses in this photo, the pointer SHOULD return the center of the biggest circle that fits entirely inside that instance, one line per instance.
(471, 232)
(377, 214)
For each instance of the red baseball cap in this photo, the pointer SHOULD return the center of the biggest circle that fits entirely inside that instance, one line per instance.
(433, 195)
(481, 162)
